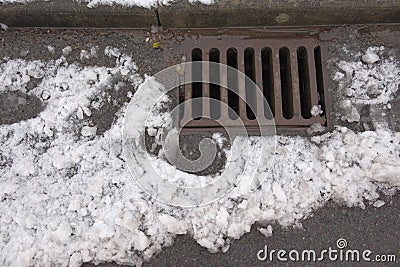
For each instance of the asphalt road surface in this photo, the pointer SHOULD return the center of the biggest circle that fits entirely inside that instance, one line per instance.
(375, 229)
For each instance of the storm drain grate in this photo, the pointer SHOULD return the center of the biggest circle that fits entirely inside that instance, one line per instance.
(289, 74)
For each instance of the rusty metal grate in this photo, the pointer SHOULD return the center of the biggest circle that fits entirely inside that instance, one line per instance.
(289, 72)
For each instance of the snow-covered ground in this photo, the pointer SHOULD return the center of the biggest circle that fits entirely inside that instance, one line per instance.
(127, 3)
(67, 196)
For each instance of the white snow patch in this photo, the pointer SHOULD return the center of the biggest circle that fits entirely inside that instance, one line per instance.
(370, 83)
(88, 54)
(3, 26)
(112, 52)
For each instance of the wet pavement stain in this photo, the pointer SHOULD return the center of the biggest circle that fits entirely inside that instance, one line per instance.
(16, 106)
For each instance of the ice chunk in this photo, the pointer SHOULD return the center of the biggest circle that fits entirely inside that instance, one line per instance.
(103, 230)
(315, 128)
(51, 48)
(79, 113)
(75, 204)
(112, 52)
(45, 95)
(129, 222)
(316, 110)
(63, 231)
(379, 203)
(338, 76)
(278, 192)
(172, 224)
(88, 131)
(140, 242)
(24, 258)
(370, 57)
(222, 218)
(96, 187)
(345, 104)
(66, 50)
(87, 111)
(373, 89)
(3, 26)
(84, 54)
(75, 260)
(267, 232)
(352, 115)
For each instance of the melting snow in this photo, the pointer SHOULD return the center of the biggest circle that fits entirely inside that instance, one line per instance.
(370, 82)
(373, 81)
(67, 197)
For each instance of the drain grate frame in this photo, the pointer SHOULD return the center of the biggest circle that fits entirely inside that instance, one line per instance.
(288, 66)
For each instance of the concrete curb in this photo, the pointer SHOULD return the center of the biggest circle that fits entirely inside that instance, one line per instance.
(225, 13)
(71, 14)
(280, 13)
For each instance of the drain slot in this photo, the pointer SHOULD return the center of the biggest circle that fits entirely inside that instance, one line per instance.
(284, 80)
(249, 70)
(319, 77)
(268, 81)
(304, 82)
(215, 92)
(197, 87)
(286, 83)
(233, 97)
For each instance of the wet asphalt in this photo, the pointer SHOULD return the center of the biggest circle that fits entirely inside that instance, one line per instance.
(376, 229)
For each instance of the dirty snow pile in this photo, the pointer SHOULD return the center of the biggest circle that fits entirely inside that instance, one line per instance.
(67, 197)
(370, 81)
(127, 3)
(141, 3)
